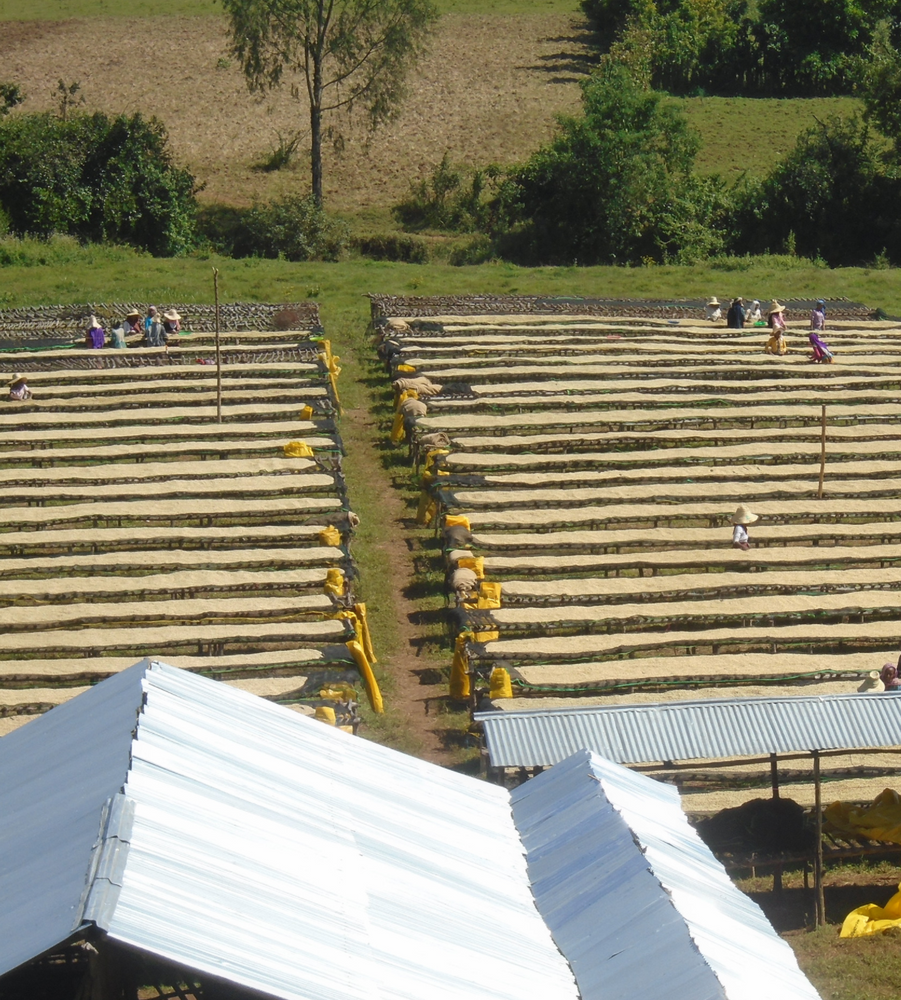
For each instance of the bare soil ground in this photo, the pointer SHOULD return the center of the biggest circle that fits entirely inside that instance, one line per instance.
(488, 92)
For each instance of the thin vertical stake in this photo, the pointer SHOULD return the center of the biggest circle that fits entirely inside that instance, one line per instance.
(218, 350)
(818, 857)
(822, 451)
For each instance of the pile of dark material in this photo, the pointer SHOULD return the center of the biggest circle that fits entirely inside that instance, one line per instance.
(41, 322)
(764, 827)
(686, 310)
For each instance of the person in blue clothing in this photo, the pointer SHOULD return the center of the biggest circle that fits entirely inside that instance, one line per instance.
(735, 317)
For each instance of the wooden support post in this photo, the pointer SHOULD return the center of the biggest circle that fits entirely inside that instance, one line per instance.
(219, 351)
(820, 898)
(774, 774)
(822, 451)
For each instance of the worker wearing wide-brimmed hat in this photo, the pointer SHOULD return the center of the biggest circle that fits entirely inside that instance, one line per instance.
(714, 312)
(171, 322)
(18, 388)
(740, 521)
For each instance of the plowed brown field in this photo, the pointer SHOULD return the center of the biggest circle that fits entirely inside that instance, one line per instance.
(488, 92)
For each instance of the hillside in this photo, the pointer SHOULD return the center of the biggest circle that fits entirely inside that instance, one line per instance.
(488, 92)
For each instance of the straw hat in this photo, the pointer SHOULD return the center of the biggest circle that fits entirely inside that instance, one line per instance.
(15, 378)
(714, 301)
(134, 314)
(172, 316)
(744, 516)
(775, 307)
(94, 321)
(871, 683)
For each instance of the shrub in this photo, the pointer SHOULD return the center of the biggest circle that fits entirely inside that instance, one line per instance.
(393, 246)
(97, 178)
(292, 228)
(604, 190)
(453, 199)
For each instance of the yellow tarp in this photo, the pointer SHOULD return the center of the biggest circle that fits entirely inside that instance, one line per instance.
(452, 520)
(500, 686)
(334, 582)
(879, 821)
(330, 536)
(872, 919)
(298, 449)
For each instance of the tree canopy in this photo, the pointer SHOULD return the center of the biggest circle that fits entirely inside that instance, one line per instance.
(603, 189)
(95, 177)
(344, 52)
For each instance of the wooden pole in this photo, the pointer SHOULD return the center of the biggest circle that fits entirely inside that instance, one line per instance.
(820, 898)
(219, 351)
(774, 774)
(822, 451)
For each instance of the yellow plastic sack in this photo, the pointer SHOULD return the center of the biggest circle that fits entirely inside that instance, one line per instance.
(334, 582)
(872, 919)
(499, 684)
(432, 455)
(427, 508)
(298, 449)
(459, 678)
(306, 413)
(475, 563)
(453, 520)
(326, 715)
(330, 536)
(365, 636)
(406, 368)
(490, 592)
(363, 665)
(397, 429)
(343, 693)
(879, 821)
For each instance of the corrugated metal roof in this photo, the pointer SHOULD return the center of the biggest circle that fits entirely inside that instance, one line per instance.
(635, 899)
(56, 774)
(276, 852)
(693, 730)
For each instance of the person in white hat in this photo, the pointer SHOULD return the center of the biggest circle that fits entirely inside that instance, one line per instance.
(714, 312)
(740, 521)
(171, 322)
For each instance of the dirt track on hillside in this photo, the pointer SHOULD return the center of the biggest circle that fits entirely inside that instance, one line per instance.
(488, 92)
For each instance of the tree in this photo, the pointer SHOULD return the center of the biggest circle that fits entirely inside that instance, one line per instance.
(880, 86)
(95, 177)
(346, 52)
(10, 96)
(606, 188)
(829, 197)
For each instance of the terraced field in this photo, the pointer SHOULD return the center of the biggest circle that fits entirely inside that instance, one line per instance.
(584, 469)
(133, 523)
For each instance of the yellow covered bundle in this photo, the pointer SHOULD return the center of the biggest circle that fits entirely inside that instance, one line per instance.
(871, 919)
(879, 821)
(298, 449)
(330, 536)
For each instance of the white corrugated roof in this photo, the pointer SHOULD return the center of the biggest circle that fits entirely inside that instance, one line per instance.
(284, 855)
(635, 899)
(691, 730)
(236, 838)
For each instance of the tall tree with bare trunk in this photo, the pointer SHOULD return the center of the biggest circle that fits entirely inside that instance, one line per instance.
(340, 53)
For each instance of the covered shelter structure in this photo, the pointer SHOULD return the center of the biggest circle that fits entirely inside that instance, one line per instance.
(164, 817)
(674, 740)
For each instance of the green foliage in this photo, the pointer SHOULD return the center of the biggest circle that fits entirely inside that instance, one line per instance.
(452, 199)
(345, 53)
(829, 198)
(608, 188)
(393, 246)
(60, 251)
(292, 229)
(786, 47)
(880, 87)
(97, 178)
(10, 97)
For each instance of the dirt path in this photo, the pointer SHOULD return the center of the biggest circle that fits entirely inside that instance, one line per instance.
(386, 548)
